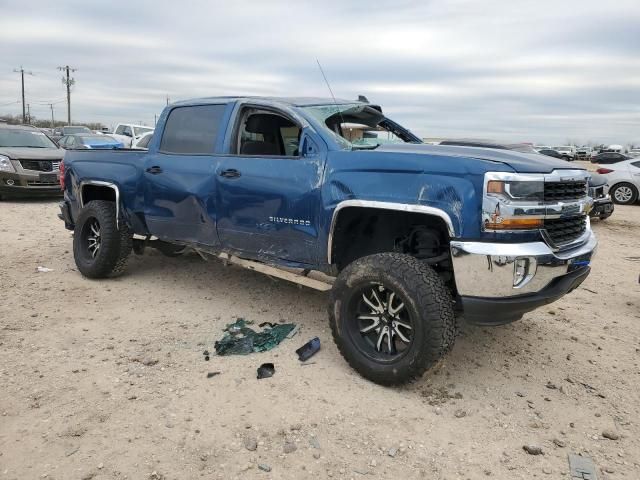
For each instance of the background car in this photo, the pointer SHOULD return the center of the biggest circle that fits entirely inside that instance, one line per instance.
(143, 142)
(60, 132)
(29, 162)
(89, 140)
(568, 152)
(549, 152)
(607, 158)
(624, 181)
(634, 153)
(584, 153)
(128, 133)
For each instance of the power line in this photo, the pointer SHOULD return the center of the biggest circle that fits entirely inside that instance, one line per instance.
(22, 72)
(68, 81)
(44, 102)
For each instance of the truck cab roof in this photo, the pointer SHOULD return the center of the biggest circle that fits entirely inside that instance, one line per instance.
(289, 101)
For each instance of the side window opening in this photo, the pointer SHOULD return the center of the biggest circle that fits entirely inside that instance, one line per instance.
(119, 130)
(267, 134)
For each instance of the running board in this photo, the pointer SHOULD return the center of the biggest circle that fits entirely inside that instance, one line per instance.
(301, 278)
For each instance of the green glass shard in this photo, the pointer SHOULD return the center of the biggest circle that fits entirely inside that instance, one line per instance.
(239, 339)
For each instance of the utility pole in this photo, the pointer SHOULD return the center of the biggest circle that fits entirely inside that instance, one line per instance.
(29, 113)
(167, 99)
(22, 72)
(53, 123)
(68, 81)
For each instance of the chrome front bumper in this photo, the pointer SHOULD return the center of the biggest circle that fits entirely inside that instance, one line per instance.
(488, 270)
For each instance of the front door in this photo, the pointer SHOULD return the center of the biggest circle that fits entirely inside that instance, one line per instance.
(180, 176)
(269, 189)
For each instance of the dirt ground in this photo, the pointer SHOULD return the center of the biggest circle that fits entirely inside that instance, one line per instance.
(107, 380)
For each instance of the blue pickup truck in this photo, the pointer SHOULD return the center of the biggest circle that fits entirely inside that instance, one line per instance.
(409, 237)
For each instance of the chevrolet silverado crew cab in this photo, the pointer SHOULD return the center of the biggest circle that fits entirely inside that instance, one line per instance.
(410, 237)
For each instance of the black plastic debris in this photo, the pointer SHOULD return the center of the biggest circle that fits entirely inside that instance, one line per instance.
(212, 374)
(266, 370)
(309, 349)
(239, 339)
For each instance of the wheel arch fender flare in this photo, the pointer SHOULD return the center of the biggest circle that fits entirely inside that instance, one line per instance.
(104, 185)
(399, 207)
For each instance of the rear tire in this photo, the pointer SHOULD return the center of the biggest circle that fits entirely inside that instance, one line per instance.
(100, 248)
(392, 317)
(624, 194)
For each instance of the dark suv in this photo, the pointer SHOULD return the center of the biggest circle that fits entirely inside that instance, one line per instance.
(29, 162)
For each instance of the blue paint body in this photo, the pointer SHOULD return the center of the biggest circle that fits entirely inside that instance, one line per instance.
(190, 203)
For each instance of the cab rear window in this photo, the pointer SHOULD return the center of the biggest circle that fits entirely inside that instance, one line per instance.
(192, 130)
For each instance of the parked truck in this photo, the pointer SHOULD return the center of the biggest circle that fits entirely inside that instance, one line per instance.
(411, 238)
(128, 134)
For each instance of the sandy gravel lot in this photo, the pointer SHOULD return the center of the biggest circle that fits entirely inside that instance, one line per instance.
(106, 379)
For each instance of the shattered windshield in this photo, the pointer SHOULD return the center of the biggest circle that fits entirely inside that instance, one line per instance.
(360, 126)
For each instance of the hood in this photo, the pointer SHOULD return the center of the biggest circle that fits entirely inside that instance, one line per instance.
(519, 162)
(18, 153)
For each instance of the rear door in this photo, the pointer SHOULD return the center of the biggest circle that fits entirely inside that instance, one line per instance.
(179, 176)
(269, 187)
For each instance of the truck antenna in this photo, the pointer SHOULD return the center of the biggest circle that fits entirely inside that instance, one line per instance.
(331, 92)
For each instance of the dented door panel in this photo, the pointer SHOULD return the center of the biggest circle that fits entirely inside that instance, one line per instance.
(180, 199)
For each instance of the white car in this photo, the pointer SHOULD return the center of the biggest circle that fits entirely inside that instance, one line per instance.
(623, 179)
(568, 152)
(143, 142)
(128, 133)
(634, 152)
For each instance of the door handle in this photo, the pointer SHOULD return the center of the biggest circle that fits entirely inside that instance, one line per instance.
(230, 173)
(154, 170)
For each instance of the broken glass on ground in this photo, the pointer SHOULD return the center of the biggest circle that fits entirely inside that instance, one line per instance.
(266, 370)
(239, 339)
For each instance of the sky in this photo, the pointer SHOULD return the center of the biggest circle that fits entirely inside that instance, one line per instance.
(547, 72)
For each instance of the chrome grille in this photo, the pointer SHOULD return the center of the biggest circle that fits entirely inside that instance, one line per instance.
(41, 183)
(40, 165)
(565, 230)
(554, 191)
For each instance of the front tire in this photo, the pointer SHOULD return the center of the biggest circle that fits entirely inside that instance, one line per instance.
(624, 194)
(100, 248)
(392, 317)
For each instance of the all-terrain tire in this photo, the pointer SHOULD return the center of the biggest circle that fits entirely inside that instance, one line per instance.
(115, 243)
(629, 200)
(428, 303)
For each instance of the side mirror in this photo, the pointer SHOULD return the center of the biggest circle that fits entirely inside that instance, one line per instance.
(308, 147)
(127, 134)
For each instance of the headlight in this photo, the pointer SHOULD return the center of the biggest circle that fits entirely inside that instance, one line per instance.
(5, 164)
(513, 202)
